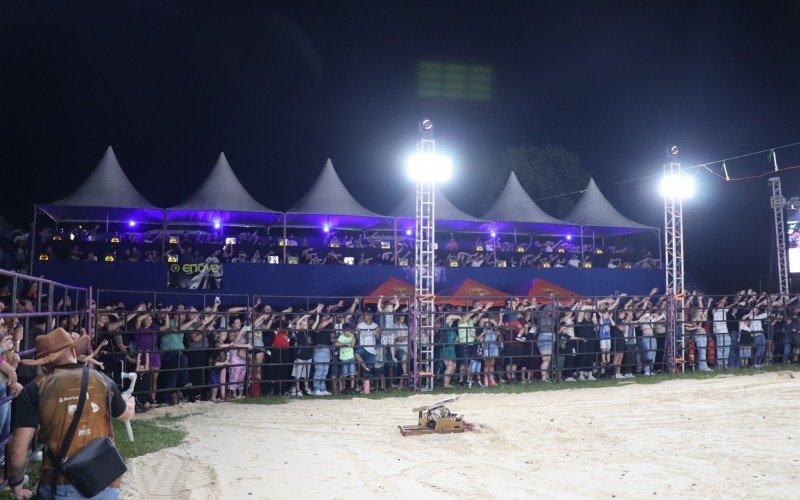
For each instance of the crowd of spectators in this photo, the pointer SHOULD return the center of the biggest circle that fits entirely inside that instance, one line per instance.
(225, 352)
(356, 248)
(188, 353)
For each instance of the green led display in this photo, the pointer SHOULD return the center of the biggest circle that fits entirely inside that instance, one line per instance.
(454, 81)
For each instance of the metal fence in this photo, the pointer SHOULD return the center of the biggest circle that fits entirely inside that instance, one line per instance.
(235, 346)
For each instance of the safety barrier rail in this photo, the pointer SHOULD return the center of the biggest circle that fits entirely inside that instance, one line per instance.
(615, 336)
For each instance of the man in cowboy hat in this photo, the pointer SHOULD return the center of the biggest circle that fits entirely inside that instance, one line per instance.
(48, 403)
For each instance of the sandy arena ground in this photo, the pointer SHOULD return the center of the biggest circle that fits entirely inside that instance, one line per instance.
(729, 437)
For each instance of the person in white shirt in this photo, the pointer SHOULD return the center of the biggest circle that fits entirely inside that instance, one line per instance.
(720, 329)
(574, 262)
(647, 343)
(367, 341)
(697, 328)
(745, 340)
(757, 331)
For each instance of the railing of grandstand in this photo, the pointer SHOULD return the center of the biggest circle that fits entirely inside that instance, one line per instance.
(375, 250)
(269, 345)
(35, 297)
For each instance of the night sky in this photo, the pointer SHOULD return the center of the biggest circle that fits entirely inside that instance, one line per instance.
(280, 87)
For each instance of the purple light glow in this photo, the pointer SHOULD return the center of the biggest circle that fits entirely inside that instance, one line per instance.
(326, 228)
(131, 223)
(217, 224)
(569, 237)
(493, 234)
(408, 232)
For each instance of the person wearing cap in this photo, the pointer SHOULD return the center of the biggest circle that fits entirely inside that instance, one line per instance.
(48, 403)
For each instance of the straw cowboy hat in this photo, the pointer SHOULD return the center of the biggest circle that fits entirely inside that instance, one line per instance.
(50, 346)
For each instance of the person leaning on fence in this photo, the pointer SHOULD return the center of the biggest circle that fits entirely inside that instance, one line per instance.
(757, 315)
(793, 337)
(9, 360)
(466, 350)
(367, 349)
(303, 354)
(48, 402)
(401, 347)
(647, 342)
(719, 327)
(587, 342)
(322, 353)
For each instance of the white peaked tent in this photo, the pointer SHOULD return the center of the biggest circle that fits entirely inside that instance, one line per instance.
(222, 198)
(595, 216)
(447, 215)
(107, 195)
(594, 211)
(515, 211)
(329, 203)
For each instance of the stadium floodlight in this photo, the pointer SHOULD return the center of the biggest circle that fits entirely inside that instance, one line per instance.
(678, 186)
(430, 167)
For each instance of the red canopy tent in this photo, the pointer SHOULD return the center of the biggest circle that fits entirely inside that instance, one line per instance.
(468, 291)
(390, 288)
(540, 288)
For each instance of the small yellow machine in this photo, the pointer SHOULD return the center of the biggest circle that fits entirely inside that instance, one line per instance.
(435, 418)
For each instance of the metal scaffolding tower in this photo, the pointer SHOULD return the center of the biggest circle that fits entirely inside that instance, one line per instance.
(673, 261)
(778, 203)
(424, 264)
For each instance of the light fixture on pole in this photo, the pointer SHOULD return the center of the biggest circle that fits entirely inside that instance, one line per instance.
(677, 185)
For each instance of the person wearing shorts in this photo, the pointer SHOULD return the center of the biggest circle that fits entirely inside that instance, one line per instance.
(618, 343)
(303, 354)
(544, 343)
(347, 360)
(474, 364)
(401, 346)
(367, 342)
(491, 350)
(605, 324)
(146, 338)
(448, 337)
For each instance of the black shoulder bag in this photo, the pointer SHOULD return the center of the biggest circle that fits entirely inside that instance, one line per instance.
(95, 466)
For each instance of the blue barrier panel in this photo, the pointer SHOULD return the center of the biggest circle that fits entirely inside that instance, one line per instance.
(340, 280)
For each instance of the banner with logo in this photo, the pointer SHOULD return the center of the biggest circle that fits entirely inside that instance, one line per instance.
(200, 276)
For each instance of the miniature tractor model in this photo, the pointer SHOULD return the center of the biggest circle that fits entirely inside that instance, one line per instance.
(435, 418)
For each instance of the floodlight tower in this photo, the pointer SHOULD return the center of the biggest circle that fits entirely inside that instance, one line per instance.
(675, 186)
(778, 203)
(426, 168)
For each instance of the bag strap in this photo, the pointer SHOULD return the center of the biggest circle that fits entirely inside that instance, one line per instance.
(68, 437)
(108, 407)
